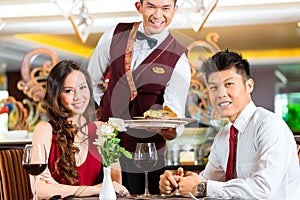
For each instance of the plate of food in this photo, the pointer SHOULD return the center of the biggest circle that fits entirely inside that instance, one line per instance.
(164, 118)
(153, 123)
(186, 120)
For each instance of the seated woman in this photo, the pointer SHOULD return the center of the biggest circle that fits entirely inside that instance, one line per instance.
(74, 164)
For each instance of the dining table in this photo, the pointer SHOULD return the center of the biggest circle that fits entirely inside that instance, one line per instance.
(154, 197)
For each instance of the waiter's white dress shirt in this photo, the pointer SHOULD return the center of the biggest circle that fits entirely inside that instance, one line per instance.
(267, 165)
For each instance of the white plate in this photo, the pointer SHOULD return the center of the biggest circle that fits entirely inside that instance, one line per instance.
(143, 123)
(187, 120)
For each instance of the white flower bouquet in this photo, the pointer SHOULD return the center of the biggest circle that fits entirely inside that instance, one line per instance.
(108, 143)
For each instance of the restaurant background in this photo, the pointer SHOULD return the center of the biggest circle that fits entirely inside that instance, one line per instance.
(266, 33)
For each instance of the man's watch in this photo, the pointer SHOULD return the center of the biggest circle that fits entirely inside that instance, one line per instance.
(201, 189)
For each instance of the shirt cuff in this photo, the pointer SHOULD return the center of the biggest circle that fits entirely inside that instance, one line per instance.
(179, 130)
(214, 188)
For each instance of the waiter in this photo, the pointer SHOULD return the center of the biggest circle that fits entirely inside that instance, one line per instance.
(148, 69)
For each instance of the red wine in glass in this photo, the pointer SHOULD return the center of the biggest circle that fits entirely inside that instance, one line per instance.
(145, 165)
(34, 169)
(35, 162)
(145, 158)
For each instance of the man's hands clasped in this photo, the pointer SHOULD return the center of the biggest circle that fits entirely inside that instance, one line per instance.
(179, 182)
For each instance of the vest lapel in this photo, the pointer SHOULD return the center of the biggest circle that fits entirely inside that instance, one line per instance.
(128, 58)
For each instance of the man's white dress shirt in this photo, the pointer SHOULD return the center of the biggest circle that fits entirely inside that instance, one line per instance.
(267, 165)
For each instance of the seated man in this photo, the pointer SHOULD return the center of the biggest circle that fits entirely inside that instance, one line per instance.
(263, 160)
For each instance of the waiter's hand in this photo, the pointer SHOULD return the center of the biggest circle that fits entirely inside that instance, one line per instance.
(168, 133)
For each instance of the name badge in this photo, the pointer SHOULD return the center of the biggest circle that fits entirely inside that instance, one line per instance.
(158, 70)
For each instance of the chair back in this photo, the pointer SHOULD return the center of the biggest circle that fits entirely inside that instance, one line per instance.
(14, 180)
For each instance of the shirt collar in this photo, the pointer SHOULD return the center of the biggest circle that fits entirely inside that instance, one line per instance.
(159, 37)
(243, 119)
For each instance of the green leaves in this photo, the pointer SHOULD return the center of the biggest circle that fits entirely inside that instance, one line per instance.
(292, 117)
(127, 154)
(111, 151)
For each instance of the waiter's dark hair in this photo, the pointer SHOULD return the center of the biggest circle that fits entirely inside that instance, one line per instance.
(174, 1)
(224, 60)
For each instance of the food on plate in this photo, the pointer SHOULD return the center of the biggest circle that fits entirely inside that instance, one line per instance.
(166, 112)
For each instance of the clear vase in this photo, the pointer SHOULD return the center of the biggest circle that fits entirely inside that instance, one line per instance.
(107, 192)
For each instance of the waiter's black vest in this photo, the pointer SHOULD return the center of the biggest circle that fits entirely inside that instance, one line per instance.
(150, 79)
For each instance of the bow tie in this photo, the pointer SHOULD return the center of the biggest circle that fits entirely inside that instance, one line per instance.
(151, 41)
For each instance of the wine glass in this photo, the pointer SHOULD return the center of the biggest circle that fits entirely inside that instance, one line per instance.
(34, 162)
(145, 158)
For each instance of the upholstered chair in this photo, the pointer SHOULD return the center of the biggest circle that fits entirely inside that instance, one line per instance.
(14, 180)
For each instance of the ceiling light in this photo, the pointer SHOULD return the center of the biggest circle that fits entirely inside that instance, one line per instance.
(82, 22)
(197, 11)
(66, 6)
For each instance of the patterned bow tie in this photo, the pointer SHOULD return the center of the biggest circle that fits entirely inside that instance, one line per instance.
(151, 41)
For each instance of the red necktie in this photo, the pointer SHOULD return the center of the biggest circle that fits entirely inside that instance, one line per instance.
(229, 169)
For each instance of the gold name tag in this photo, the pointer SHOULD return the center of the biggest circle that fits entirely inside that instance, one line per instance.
(158, 70)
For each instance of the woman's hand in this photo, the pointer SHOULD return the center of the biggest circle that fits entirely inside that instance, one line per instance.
(121, 190)
(46, 176)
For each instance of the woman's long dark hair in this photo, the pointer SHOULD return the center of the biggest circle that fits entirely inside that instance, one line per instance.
(65, 131)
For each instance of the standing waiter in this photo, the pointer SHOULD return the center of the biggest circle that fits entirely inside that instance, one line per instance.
(148, 69)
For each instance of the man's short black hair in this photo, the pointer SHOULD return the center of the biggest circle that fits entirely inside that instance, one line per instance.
(224, 60)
